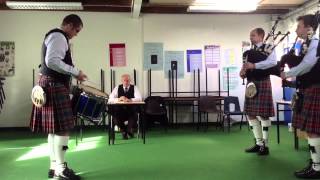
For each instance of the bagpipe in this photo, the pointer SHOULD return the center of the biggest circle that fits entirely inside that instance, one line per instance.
(291, 59)
(269, 44)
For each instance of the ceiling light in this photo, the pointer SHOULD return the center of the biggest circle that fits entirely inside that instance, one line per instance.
(44, 5)
(223, 6)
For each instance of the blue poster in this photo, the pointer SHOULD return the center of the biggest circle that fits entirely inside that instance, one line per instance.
(194, 60)
(174, 60)
(153, 56)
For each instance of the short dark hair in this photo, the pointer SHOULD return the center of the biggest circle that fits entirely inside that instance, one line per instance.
(73, 19)
(260, 32)
(309, 20)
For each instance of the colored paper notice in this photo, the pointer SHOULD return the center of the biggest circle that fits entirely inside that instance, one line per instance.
(212, 56)
(117, 55)
(174, 60)
(229, 56)
(194, 60)
(233, 77)
(153, 56)
(7, 54)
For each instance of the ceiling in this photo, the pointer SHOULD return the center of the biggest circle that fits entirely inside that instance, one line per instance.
(171, 6)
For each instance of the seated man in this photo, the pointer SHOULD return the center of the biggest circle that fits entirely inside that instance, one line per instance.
(125, 93)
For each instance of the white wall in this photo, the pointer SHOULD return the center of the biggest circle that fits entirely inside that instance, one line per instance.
(90, 51)
(90, 48)
(182, 32)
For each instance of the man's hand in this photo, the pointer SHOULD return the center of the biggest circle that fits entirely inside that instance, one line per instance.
(122, 98)
(81, 77)
(283, 75)
(243, 73)
(128, 100)
(249, 65)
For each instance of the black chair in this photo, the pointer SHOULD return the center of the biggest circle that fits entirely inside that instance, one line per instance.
(237, 111)
(209, 104)
(155, 111)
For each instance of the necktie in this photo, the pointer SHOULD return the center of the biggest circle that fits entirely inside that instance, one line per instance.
(126, 89)
(255, 47)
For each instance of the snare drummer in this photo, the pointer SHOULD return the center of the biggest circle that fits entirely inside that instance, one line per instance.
(56, 117)
(125, 92)
(260, 107)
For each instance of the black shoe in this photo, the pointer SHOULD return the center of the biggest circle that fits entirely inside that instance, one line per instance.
(308, 173)
(306, 168)
(263, 151)
(131, 135)
(255, 148)
(51, 173)
(67, 174)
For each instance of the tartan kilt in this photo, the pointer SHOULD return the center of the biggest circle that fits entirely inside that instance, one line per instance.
(262, 103)
(56, 115)
(309, 118)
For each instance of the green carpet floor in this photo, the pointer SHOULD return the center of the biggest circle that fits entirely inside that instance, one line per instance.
(179, 154)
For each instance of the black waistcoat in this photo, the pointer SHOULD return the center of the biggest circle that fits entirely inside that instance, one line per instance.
(129, 94)
(59, 77)
(310, 78)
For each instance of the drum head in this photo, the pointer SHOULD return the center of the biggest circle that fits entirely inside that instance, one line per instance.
(92, 90)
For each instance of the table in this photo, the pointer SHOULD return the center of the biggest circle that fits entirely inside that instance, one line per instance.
(141, 122)
(173, 102)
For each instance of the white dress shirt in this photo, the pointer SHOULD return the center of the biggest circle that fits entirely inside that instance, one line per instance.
(267, 63)
(113, 97)
(308, 61)
(57, 47)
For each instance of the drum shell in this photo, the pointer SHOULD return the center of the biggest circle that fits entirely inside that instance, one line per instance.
(89, 105)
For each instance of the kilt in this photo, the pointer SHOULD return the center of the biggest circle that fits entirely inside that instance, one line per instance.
(262, 103)
(309, 118)
(56, 115)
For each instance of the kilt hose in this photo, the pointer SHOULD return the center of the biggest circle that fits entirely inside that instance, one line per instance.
(56, 115)
(309, 118)
(262, 103)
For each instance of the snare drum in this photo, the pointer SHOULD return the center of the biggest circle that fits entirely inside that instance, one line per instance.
(90, 103)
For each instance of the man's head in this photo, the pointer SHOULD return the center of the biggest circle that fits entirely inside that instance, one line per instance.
(125, 79)
(306, 24)
(257, 35)
(72, 25)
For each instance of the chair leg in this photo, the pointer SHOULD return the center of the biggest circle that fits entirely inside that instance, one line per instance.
(81, 128)
(77, 130)
(241, 121)
(207, 122)
(217, 120)
(199, 121)
(222, 123)
(229, 123)
(113, 134)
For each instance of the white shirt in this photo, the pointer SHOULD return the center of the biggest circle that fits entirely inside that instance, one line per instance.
(57, 47)
(113, 97)
(308, 61)
(267, 63)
